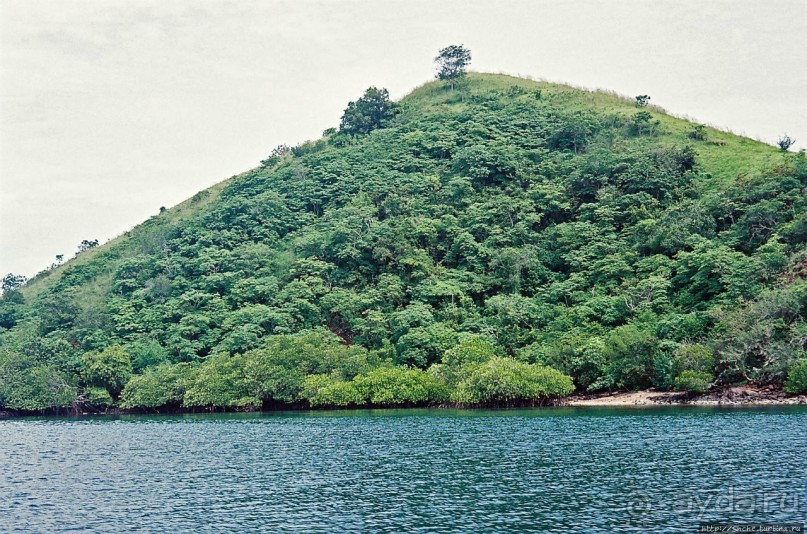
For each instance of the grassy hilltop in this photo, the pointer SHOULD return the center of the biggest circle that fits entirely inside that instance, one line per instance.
(507, 242)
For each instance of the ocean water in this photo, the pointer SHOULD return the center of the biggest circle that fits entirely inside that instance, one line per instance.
(544, 470)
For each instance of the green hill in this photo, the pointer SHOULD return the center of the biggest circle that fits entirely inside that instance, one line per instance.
(499, 244)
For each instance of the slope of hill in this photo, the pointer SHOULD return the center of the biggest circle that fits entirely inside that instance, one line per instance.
(506, 243)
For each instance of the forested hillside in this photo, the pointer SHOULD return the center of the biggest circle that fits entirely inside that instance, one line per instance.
(501, 242)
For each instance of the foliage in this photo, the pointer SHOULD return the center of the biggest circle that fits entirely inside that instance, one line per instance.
(451, 63)
(12, 282)
(29, 385)
(368, 113)
(566, 230)
(86, 245)
(695, 357)
(630, 353)
(325, 390)
(698, 132)
(640, 122)
(693, 381)
(395, 386)
(507, 381)
(279, 369)
(471, 350)
(109, 369)
(220, 382)
(785, 142)
(642, 100)
(797, 377)
(97, 396)
(276, 155)
(761, 339)
(164, 385)
(580, 356)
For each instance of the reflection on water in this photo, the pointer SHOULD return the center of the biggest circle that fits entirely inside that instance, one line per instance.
(583, 469)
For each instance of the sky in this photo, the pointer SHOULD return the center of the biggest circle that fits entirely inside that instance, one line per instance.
(111, 109)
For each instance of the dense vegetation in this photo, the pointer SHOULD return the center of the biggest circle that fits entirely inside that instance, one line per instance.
(505, 242)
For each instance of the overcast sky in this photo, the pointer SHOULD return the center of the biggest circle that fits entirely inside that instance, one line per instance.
(111, 109)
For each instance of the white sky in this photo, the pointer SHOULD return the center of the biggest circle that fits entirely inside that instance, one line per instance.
(111, 109)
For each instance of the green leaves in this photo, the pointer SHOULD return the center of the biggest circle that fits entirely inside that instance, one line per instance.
(693, 382)
(368, 113)
(452, 62)
(571, 230)
(797, 377)
(110, 369)
(30, 386)
(502, 381)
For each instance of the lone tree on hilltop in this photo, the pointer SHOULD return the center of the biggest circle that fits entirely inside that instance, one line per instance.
(451, 62)
(642, 100)
(368, 113)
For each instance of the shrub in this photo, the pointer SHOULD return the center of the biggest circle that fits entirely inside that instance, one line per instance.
(758, 340)
(109, 369)
(471, 350)
(278, 370)
(693, 381)
(797, 377)
(676, 358)
(630, 353)
(698, 132)
(324, 390)
(393, 386)
(30, 387)
(220, 382)
(785, 142)
(505, 381)
(98, 396)
(146, 353)
(372, 111)
(580, 356)
(694, 357)
(159, 386)
(640, 123)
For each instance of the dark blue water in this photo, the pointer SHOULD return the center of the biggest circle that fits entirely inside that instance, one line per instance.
(550, 470)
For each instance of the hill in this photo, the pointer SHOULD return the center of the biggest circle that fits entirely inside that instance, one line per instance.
(507, 242)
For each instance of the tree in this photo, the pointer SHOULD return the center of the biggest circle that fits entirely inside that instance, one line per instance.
(642, 100)
(698, 132)
(12, 282)
(87, 244)
(785, 142)
(109, 369)
(368, 113)
(640, 122)
(451, 63)
(277, 153)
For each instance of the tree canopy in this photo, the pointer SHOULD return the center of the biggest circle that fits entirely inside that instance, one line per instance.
(451, 63)
(368, 113)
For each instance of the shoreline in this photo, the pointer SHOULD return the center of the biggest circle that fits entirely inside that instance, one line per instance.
(730, 396)
(748, 396)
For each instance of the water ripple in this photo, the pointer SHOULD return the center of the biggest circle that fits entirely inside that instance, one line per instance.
(551, 470)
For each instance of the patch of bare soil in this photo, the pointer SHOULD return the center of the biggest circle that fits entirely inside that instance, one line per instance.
(751, 395)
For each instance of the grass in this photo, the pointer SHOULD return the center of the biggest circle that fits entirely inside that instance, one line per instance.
(724, 156)
(125, 245)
